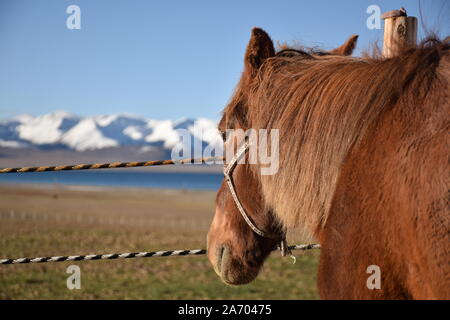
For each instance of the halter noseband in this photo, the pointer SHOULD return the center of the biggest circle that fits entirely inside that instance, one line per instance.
(228, 173)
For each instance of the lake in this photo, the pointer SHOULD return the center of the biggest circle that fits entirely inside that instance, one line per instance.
(165, 180)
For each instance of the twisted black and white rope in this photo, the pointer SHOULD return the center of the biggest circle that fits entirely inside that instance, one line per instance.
(113, 256)
(112, 165)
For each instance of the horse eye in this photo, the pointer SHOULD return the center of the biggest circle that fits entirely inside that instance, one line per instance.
(224, 136)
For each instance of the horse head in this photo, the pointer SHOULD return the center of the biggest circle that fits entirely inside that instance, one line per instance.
(245, 229)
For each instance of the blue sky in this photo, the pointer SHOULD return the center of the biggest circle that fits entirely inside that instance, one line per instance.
(161, 59)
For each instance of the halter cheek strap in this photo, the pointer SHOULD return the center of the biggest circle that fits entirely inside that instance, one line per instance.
(228, 172)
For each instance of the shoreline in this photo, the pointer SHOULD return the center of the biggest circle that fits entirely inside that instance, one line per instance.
(97, 188)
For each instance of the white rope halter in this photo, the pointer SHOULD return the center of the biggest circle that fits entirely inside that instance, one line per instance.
(228, 172)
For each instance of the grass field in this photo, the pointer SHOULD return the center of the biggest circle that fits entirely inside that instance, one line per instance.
(54, 220)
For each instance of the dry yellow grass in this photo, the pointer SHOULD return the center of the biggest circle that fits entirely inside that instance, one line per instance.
(54, 220)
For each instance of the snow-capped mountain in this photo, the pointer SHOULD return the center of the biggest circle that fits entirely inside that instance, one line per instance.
(63, 130)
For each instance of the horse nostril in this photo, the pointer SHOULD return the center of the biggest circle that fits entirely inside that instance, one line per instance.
(220, 252)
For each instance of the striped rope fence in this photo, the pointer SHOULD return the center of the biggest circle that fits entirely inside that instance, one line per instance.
(113, 256)
(112, 165)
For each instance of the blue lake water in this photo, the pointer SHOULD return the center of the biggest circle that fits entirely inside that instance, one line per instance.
(166, 180)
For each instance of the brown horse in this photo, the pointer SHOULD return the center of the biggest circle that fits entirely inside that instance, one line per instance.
(363, 168)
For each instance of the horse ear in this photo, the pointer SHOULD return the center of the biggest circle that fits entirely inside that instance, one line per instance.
(347, 48)
(259, 49)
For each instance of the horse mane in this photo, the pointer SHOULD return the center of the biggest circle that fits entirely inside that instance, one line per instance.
(322, 106)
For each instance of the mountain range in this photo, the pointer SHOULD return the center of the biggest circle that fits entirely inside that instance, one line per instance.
(62, 130)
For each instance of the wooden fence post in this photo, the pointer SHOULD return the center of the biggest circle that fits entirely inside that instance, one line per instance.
(400, 31)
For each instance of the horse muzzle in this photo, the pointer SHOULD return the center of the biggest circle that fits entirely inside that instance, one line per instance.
(231, 270)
